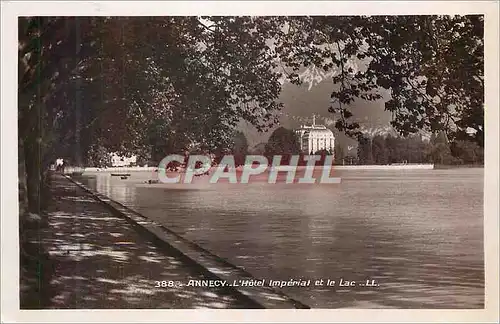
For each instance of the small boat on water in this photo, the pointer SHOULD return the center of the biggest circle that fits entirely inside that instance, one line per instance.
(120, 174)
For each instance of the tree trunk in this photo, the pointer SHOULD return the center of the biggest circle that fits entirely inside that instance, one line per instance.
(35, 165)
(21, 174)
(32, 154)
(78, 100)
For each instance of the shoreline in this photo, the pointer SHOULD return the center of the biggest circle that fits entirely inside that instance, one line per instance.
(373, 167)
(300, 168)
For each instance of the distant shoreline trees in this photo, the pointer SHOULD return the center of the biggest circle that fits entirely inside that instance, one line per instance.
(437, 149)
(378, 149)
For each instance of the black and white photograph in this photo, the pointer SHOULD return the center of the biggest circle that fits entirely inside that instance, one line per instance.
(215, 156)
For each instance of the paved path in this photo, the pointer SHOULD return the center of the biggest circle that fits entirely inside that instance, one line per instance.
(100, 261)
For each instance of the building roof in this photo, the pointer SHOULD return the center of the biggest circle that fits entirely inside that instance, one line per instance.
(315, 130)
(318, 130)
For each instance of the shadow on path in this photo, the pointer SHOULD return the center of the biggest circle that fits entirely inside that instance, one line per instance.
(100, 261)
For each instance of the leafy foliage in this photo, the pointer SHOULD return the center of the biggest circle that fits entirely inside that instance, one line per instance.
(414, 149)
(432, 65)
(282, 142)
(143, 80)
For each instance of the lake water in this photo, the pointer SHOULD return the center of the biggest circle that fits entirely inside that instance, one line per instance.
(417, 233)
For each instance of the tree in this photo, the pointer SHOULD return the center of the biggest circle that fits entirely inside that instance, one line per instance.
(365, 150)
(192, 78)
(170, 83)
(98, 156)
(183, 83)
(45, 65)
(351, 157)
(440, 149)
(416, 149)
(282, 142)
(397, 149)
(240, 148)
(339, 154)
(379, 151)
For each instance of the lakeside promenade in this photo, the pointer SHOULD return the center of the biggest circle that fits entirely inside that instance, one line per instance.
(98, 260)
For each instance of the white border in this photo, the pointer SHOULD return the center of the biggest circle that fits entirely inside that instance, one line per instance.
(9, 207)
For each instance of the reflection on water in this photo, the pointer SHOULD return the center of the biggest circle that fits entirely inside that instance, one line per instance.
(418, 233)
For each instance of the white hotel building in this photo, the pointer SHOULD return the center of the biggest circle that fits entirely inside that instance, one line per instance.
(314, 138)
